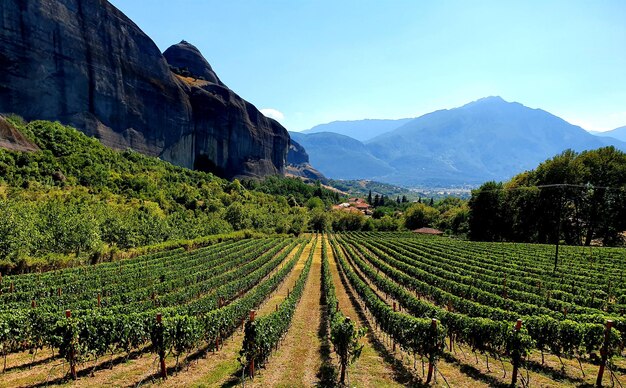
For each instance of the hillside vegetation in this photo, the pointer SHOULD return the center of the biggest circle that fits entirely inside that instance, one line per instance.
(573, 197)
(77, 199)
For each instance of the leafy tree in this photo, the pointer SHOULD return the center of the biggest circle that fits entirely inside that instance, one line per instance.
(237, 217)
(419, 215)
(315, 203)
(485, 217)
(571, 197)
(387, 224)
(319, 220)
(348, 221)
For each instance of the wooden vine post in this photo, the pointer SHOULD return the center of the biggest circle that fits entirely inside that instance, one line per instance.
(72, 358)
(451, 335)
(604, 352)
(394, 340)
(516, 359)
(251, 365)
(431, 362)
(161, 350)
(99, 302)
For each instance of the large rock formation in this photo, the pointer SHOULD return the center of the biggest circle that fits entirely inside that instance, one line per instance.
(86, 64)
(298, 163)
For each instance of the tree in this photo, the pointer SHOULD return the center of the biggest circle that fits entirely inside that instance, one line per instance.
(319, 220)
(398, 200)
(419, 215)
(376, 200)
(387, 224)
(348, 221)
(404, 199)
(236, 216)
(369, 197)
(485, 217)
(315, 203)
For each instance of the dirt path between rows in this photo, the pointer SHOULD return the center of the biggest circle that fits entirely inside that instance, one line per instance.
(221, 368)
(371, 369)
(298, 358)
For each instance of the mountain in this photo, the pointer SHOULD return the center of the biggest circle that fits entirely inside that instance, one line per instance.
(488, 139)
(340, 157)
(361, 130)
(617, 133)
(84, 63)
(483, 140)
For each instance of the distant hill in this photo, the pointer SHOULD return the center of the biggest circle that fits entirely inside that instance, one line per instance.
(361, 130)
(486, 139)
(617, 133)
(341, 157)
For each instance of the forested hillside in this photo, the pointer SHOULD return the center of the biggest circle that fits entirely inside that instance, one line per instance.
(76, 198)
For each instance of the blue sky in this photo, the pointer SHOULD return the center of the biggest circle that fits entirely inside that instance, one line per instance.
(320, 61)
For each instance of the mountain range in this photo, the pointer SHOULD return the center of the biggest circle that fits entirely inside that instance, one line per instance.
(362, 130)
(617, 133)
(488, 139)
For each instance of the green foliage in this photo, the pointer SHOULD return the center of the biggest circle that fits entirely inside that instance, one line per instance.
(188, 287)
(295, 189)
(315, 203)
(345, 337)
(573, 197)
(262, 335)
(83, 200)
(419, 215)
(471, 307)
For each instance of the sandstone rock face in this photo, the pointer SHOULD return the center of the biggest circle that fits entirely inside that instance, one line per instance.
(84, 63)
(298, 163)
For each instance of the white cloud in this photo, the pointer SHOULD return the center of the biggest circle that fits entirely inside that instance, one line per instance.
(273, 113)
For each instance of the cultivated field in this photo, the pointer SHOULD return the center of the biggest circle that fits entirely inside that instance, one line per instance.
(437, 311)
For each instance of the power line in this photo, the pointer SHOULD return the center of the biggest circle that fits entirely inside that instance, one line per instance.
(553, 185)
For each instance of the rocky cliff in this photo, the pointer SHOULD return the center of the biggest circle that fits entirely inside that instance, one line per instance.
(86, 64)
(298, 163)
